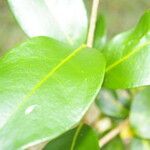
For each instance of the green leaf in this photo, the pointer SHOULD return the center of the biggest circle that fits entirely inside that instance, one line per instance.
(140, 144)
(109, 104)
(64, 20)
(100, 33)
(128, 56)
(45, 89)
(115, 144)
(81, 138)
(140, 114)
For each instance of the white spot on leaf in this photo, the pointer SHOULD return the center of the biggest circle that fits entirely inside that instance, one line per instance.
(30, 109)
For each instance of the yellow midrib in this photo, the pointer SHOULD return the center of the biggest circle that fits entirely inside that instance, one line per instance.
(42, 81)
(39, 84)
(110, 67)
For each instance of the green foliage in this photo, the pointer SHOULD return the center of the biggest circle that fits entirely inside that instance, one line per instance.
(47, 84)
(100, 33)
(80, 138)
(47, 81)
(128, 56)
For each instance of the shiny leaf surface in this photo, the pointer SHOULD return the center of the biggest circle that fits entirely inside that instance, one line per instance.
(80, 138)
(45, 89)
(128, 56)
(64, 20)
(140, 114)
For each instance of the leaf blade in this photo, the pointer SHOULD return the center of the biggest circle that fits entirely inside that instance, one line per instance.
(100, 33)
(86, 138)
(68, 93)
(55, 19)
(124, 55)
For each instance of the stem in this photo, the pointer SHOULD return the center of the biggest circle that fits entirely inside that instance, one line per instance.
(113, 133)
(92, 25)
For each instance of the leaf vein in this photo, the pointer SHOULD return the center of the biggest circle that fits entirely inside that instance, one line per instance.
(110, 67)
(41, 82)
(76, 136)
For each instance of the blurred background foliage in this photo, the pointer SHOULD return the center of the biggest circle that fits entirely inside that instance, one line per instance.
(120, 16)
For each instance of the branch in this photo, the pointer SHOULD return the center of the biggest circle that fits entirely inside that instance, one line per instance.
(113, 133)
(92, 25)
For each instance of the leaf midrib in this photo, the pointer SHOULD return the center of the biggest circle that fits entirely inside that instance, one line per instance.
(75, 137)
(112, 66)
(45, 78)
